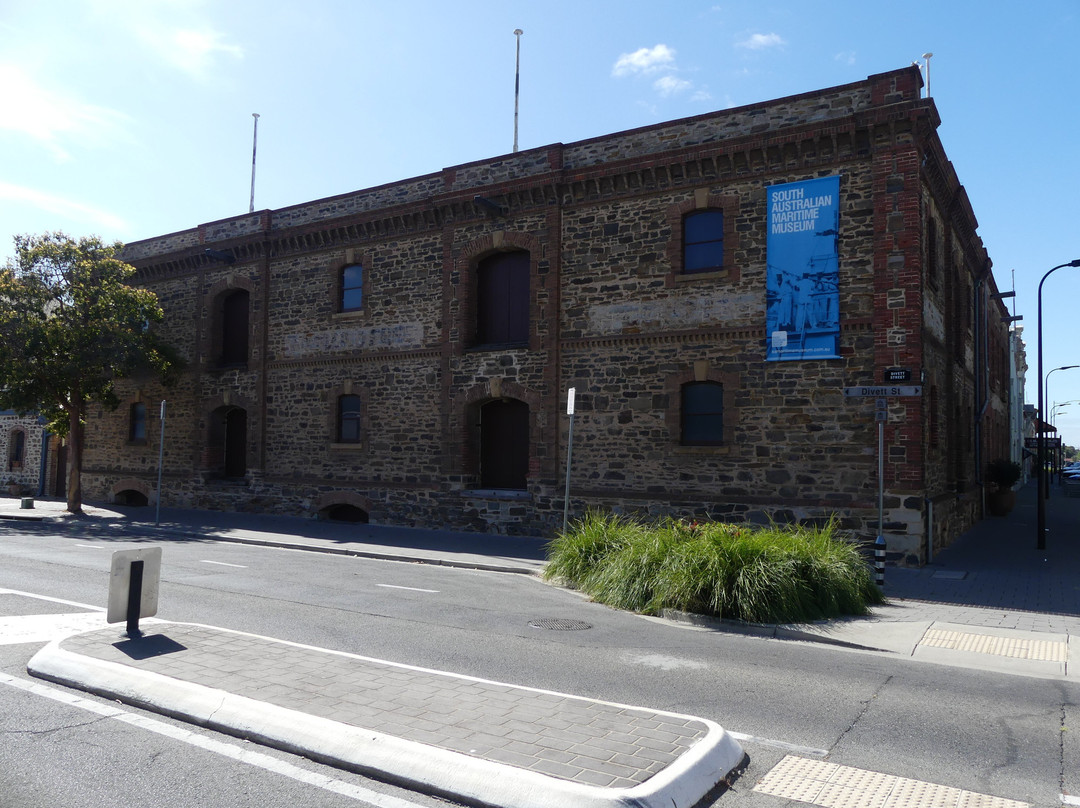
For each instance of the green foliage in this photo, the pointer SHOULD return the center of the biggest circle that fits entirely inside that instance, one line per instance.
(70, 325)
(772, 574)
(1003, 472)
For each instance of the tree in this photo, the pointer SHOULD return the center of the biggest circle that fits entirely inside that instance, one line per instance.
(70, 326)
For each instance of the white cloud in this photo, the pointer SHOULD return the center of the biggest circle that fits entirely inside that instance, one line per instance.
(176, 33)
(192, 51)
(761, 41)
(670, 85)
(644, 60)
(847, 57)
(53, 119)
(69, 209)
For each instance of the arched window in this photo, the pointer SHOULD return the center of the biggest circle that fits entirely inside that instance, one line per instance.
(703, 241)
(16, 449)
(502, 299)
(234, 328)
(349, 419)
(352, 288)
(702, 414)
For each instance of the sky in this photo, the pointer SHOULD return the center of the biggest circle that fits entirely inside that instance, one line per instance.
(129, 119)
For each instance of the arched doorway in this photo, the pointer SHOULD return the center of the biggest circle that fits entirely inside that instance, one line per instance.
(504, 444)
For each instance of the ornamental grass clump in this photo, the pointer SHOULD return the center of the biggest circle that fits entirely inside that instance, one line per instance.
(773, 574)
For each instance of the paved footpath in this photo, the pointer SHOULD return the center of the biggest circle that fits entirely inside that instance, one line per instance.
(991, 601)
(445, 733)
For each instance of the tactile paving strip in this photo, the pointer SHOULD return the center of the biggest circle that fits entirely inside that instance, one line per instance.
(1015, 647)
(832, 786)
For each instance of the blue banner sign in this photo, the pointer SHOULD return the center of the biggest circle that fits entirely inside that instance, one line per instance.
(802, 295)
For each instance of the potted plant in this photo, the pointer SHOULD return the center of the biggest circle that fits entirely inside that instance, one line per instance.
(1002, 474)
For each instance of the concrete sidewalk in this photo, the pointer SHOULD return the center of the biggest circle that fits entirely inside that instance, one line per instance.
(514, 554)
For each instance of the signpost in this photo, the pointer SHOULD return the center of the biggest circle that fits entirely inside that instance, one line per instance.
(881, 395)
(133, 586)
(569, 449)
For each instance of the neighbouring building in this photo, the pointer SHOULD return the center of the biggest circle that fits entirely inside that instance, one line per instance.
(738, 299)
(26, 470)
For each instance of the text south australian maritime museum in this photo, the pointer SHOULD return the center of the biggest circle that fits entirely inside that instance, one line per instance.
(794, 212)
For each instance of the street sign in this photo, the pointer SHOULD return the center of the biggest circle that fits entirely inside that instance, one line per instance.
(133, 586)
(883, 392)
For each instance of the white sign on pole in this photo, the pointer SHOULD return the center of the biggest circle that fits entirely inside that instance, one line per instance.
(570, 401)
(120, 582)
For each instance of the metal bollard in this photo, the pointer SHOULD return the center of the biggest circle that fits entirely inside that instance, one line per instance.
(879, 561)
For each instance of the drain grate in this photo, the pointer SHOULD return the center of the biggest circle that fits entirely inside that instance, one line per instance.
(559, 624)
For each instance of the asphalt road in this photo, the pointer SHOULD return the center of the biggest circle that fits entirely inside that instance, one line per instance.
(990, 733)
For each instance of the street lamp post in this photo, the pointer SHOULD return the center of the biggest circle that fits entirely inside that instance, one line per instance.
(1046, 398)
(1059, 456)
(1040, 527)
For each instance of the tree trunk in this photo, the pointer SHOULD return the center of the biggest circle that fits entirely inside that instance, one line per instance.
(75, 453)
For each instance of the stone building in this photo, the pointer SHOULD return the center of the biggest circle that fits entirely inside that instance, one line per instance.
(25, 472)
(404, 353)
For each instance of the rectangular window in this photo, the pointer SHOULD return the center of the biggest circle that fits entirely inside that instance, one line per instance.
(502, 299)
(703, 241)
(702, 414)
(137, 423)
(349, 412)
(352, 287)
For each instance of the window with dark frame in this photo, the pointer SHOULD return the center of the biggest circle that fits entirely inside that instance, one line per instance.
(349, 419)
(504, 444)
(702, 414)
(234, 329)
(137, 423)
(352, 287)
(502, 299)
(703, 241)
(16, 449)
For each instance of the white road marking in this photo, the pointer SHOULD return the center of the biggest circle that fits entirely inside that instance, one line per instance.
(784, 746)
(410, 588)
(224, 564)
(229, 750)
(90, 546)
(47, 627)
(52, 600)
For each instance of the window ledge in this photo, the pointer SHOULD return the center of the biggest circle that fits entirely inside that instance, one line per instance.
(702, 450)
(347, 447)
(687, 277)
(355, 314)
(496, 493)
(499, 346)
